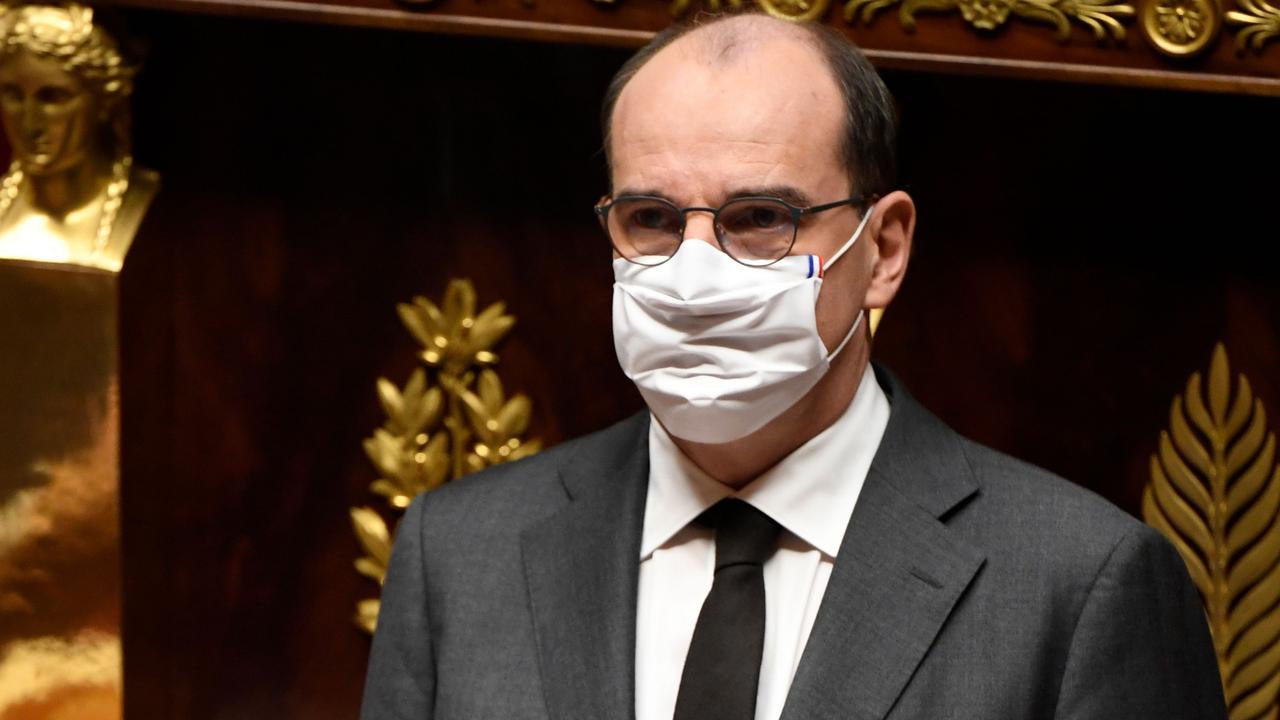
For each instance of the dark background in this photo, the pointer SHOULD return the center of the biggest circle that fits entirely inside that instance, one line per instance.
(1080, 251)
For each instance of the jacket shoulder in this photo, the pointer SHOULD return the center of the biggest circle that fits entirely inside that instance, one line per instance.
(520, 492)
(1051, 521)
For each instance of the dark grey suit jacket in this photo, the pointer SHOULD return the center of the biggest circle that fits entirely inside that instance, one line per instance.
(969, 585)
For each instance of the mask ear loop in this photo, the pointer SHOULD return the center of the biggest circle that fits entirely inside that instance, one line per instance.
(857, 321)
(852, 239)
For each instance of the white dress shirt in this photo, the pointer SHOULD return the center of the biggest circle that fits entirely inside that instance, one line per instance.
(810, 493)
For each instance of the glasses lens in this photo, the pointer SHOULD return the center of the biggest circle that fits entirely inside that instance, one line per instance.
(756, 232)
(645, 230)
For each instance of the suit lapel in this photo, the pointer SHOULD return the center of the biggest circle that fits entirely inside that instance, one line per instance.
(899, 573)
(581, 567)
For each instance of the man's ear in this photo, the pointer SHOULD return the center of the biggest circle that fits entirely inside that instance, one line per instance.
(891, 228)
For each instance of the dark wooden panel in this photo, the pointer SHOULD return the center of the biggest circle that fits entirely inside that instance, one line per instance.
(943, 43)
(313, 178)
(1080, 251)
(1077, 260)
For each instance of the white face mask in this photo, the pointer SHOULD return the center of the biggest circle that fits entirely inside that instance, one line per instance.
(718, 349)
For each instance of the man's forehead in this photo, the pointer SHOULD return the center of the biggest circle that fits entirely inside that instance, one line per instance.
(774, 50)
(752, 58)
(765, 85)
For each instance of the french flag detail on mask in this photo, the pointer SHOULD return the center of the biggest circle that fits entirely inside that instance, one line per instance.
(815, 266)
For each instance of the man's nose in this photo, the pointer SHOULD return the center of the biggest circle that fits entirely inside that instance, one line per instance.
(700, 225)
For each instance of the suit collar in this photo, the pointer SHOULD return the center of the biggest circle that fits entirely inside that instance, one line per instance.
(811, 492)
(899, 574)
(581, 569)
(919, 455)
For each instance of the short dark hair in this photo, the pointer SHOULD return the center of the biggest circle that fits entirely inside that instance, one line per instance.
(869, 143)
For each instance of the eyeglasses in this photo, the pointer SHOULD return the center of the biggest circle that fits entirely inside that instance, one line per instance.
(756, 231)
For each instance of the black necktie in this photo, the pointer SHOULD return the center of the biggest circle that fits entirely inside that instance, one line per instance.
(722, 669)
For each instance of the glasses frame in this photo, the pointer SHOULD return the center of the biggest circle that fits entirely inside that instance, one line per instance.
(602, 214)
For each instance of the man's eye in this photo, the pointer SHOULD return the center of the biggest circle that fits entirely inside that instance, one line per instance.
(651, 217)
(764, 218)
(748, 217)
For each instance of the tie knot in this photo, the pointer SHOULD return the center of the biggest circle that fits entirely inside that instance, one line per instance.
(744, 535)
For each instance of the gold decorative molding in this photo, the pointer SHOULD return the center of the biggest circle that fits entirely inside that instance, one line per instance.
(451, 418)
(798, 10)
(1100, 16)
(680, 7)
(1215, 493)
(1175, 28)
(1181, 28)
(1259, 24)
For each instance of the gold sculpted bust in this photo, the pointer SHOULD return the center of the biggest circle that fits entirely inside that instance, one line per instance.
(71, 195)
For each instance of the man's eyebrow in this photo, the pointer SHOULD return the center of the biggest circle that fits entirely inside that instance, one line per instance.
(647, 192)
(793, 195)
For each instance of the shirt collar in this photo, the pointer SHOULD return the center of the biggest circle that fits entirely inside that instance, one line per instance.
(810, 492)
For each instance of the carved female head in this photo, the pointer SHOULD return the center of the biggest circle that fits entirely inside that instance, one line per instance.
(63, 87)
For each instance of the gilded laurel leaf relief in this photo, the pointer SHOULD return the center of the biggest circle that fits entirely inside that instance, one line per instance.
(1259, 23)
(375, 540)
(1215, 493)
(1101, 17)
(451, 417)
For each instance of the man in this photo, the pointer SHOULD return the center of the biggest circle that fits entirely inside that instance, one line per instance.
(793, 537)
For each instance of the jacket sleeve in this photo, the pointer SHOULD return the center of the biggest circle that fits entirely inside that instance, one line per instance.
(1141, 647)
(400, 684)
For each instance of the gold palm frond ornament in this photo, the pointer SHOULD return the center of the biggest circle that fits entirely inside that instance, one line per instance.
(450, 418)
(1259, 23)
(1215, 493)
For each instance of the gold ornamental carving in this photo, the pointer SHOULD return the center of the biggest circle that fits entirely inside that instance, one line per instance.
(452, 417)
(1259, 23)
(798, 10)
(1181, 28)
(1215, 493)
(1101, 17)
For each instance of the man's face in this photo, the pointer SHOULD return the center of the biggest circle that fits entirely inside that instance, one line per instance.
(700, 131)
(48, 114)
